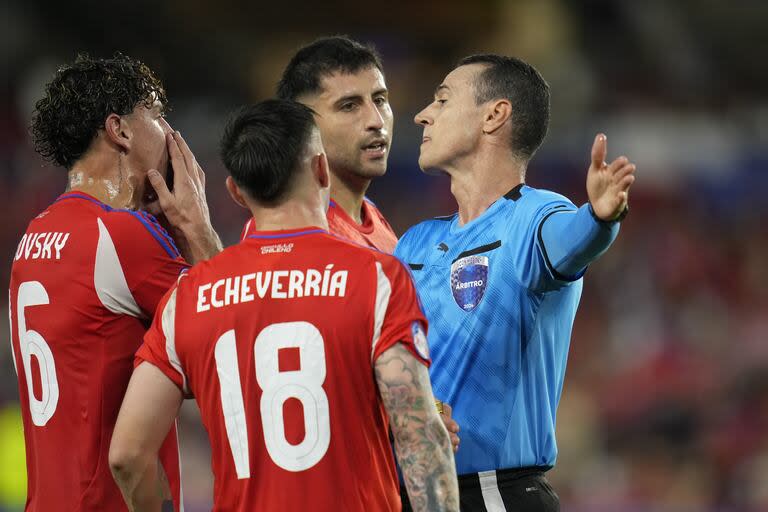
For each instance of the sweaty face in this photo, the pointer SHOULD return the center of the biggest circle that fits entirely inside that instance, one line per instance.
(452, 122)
(148, 149)
(355, 122)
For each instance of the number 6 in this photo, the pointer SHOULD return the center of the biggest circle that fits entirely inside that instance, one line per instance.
(31, 343)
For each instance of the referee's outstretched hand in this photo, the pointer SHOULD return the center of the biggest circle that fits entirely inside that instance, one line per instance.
(608, 184)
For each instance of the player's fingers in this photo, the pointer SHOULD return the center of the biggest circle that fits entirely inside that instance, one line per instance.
(450, 424)
(447, 410)
(189, 158)
(599, 150)
(177, 159)
(200, 175)
(161, 188)
(455, 442)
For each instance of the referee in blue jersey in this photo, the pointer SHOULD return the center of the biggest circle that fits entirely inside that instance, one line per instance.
(500, 280)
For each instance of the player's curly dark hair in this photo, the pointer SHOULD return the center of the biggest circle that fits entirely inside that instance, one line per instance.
(80, 98)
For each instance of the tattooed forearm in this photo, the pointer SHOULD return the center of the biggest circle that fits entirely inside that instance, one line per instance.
(421, 441)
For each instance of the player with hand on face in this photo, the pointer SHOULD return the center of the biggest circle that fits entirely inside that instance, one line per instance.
(299, 347)
(500, 280)
(90, 271)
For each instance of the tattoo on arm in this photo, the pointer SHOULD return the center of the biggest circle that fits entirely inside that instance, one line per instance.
(421, 441)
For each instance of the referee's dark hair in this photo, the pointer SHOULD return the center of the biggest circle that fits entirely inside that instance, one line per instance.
(323, 57)
(519, 82)
(262, 145)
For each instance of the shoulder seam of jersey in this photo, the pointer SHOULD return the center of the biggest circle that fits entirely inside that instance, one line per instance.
(557, 275)
(165, 240)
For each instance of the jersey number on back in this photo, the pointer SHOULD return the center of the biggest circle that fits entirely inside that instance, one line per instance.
(31, 343)
(305, 385)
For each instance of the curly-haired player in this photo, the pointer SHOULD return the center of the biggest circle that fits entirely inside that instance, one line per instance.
(90, 271)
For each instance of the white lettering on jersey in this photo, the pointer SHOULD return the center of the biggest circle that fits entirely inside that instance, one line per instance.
(41, 245)
(277, 284)
(268, 249)
(109, 279)
(469, 284)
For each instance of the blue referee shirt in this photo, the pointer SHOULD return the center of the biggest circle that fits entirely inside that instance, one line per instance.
(500, 318)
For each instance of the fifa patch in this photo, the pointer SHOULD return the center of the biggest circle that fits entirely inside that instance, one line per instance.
(420, 340)
(469, 277)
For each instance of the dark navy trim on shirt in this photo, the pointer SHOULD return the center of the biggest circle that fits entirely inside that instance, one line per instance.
(416, 266)
(158, 228)
(146, 219)
(157, 235)
(514, 194)
(477, 250)
(445, 217)
(75, 195)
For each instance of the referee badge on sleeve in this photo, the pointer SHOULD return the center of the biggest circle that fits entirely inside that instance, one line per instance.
(420, 340)
(469, 276)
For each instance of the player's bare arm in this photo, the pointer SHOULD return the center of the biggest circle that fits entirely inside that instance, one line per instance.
(138, 435)
(421, 440)
(608, 184)
(185, 208)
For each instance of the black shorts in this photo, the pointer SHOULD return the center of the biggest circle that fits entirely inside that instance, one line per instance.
(518, 490)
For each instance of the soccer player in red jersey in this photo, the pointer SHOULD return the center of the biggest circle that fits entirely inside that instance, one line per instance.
(343, 82)
(90, 271)
(299, 347)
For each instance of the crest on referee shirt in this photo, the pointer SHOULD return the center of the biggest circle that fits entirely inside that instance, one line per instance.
(469, 277)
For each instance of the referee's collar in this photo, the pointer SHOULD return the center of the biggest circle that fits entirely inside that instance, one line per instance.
(515, 193)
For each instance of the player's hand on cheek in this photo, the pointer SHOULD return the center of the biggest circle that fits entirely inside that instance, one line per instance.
(608, 184)
(450, 424)
(186, 205)
(186, 208)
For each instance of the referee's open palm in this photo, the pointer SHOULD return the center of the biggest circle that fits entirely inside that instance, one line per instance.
(608, 184)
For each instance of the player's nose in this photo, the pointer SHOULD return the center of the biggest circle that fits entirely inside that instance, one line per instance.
(374, 119)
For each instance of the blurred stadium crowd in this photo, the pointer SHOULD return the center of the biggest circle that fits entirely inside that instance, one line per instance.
(665, 405)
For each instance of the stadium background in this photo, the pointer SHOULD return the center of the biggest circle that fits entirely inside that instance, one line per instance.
(665, 406)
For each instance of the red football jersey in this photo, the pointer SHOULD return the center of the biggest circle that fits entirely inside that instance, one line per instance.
(85, 282)
(374, 232)
(276, 339)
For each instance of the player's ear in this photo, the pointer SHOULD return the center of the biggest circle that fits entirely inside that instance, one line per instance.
(320, 170)
(117, 131)
(498, 113)
(235, 193)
